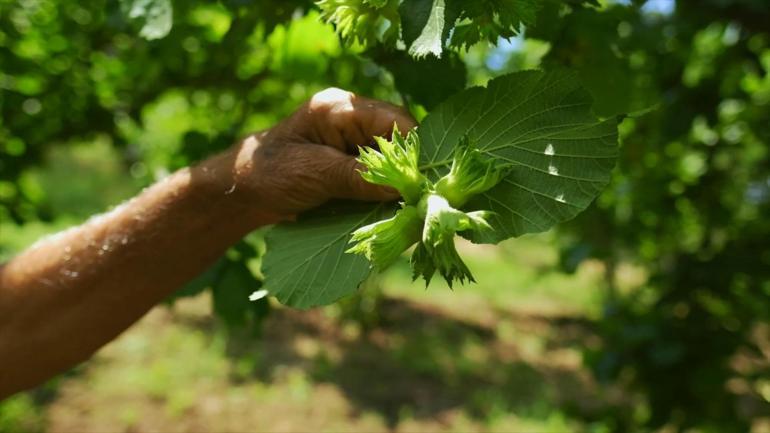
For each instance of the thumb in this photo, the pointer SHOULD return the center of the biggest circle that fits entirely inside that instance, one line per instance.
(343, 176)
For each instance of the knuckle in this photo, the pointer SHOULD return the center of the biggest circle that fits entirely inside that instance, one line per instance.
(342, 115)
(329, 98)
(346, 177)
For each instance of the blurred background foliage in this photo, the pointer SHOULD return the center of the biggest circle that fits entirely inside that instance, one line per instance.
(666, 278)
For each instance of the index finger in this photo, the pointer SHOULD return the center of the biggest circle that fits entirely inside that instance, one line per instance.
(376, 118)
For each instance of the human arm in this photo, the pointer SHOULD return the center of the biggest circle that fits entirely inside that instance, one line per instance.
(70, 294)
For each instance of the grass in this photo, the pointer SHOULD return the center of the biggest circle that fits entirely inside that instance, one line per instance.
(21, 414)
(497, 356)
(518, 275)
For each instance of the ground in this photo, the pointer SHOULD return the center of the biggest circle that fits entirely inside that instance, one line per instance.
(501, 355)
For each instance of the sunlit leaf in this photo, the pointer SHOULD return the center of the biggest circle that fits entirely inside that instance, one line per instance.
(541, 122)
(426, 25)
(154, 17)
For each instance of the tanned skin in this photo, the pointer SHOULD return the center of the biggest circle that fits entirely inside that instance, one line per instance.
(68, 295)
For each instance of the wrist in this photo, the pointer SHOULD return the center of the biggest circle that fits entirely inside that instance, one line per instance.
(226, 181)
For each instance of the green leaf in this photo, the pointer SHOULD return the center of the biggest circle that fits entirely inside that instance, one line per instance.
(426, 25)
(513, 13)
(202, 282)
(153, 17)
(299, 57)
(542, 123)
(307, 265)
(492, 19)
(231, 293)
(362, 21)
(417, 77)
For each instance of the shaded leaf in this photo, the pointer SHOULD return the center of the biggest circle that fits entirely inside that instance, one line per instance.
(604, 70)
(231, 293)
(306, 264)
(491, 20)
(417, 77)
(200, 283)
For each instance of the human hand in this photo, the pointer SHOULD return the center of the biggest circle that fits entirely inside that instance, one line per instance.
(309, 158)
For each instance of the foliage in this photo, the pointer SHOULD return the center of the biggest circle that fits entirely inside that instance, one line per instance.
(17, 414)
(154, 17)
(362, 21)
(688, 203)
(539, 122)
